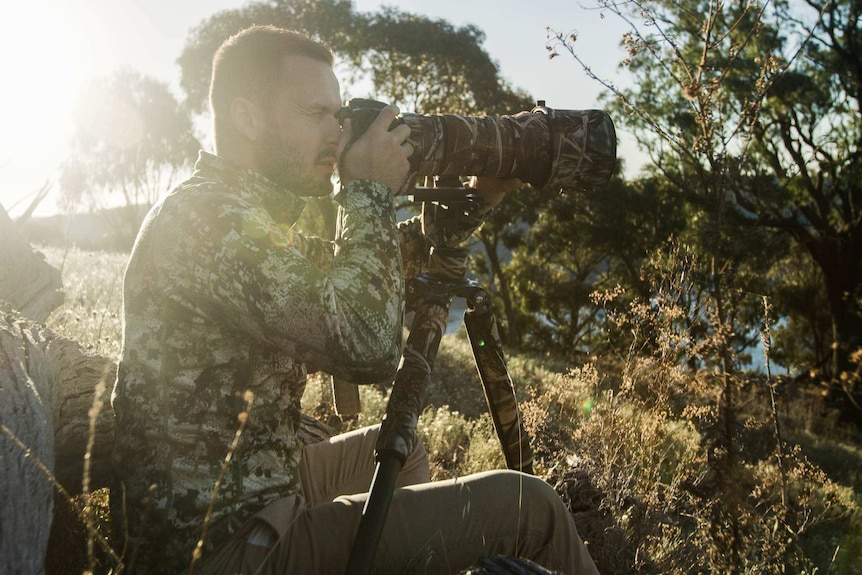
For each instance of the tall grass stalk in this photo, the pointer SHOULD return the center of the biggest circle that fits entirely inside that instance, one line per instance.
(93, 415)
(242, 418)
(64, 493)
(766, 342)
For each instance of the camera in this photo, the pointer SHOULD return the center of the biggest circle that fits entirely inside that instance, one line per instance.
(547, 148)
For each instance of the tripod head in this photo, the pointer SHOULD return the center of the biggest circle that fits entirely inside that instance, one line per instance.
(451, 212)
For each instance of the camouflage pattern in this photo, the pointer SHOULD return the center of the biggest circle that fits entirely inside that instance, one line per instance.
(398, 430)
(222, 296)
(559, 149)
(499, 389)
(430, 296)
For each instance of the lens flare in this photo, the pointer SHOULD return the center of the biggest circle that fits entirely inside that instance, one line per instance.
(283, 236)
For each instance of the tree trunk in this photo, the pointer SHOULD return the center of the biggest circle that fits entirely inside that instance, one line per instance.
(839, 261)
(50, 375)
(47, 387)
(26, 440)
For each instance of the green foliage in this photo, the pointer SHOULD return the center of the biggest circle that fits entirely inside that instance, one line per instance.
(565, 247)
(803, 342)
(429, 66)
(751, 111)
(423, 65)
(807, 143)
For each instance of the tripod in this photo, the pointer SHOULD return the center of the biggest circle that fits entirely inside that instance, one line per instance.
(430, 296)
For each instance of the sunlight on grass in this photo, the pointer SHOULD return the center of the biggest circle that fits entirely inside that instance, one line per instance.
(93, 284)
(628, 443)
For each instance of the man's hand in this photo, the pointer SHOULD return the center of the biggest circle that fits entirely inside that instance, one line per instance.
(379, 154)
(493, 190)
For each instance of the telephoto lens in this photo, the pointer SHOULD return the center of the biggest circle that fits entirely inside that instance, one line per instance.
(547, 148)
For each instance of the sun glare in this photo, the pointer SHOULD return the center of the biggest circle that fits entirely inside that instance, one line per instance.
(44, 63)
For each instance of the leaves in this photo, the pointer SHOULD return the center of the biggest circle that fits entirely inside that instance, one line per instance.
(131, 140)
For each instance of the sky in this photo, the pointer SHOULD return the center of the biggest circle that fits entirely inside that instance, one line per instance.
(50, 49)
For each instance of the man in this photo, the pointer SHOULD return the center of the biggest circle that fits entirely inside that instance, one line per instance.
(227, 308)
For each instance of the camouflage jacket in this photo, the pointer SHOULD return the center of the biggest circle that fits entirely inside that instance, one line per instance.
(222, 297)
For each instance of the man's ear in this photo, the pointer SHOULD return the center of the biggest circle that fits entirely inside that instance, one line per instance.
(246, 118)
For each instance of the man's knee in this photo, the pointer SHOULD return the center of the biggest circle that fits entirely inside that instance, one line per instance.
(545, 523)
(530, 486)
(536, 498)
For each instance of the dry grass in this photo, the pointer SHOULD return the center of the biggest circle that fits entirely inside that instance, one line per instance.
(93, 284)
(628, 441)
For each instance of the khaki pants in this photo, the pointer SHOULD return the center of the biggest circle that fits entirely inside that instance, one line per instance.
(439, 527)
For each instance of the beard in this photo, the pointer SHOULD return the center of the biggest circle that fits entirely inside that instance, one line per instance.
(286, 165)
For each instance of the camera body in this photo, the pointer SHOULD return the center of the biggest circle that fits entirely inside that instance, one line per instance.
(547, 148)
(362, 112)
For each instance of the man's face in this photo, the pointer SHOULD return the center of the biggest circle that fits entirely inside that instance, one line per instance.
(298, 147)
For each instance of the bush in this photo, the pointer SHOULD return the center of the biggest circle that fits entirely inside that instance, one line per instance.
(628, 442)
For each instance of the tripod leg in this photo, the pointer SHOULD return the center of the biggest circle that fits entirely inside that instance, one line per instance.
(499, 390)
(402, 414)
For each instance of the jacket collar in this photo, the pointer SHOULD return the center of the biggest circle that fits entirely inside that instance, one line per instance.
(282, 204)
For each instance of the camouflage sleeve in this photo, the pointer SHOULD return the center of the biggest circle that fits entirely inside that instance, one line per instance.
(318, 251)
(252, 274)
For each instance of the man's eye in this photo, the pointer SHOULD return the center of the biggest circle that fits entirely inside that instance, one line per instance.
(315, 112)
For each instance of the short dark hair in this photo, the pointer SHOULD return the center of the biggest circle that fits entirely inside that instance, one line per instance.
(248, 64)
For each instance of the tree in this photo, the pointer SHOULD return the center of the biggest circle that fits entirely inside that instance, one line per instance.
(503, 234)
(807, 159)
(702, 70)
(431, 67)
(331, 21)
(775, 91)
(803, 343)
(565, 247)
(132, 141)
